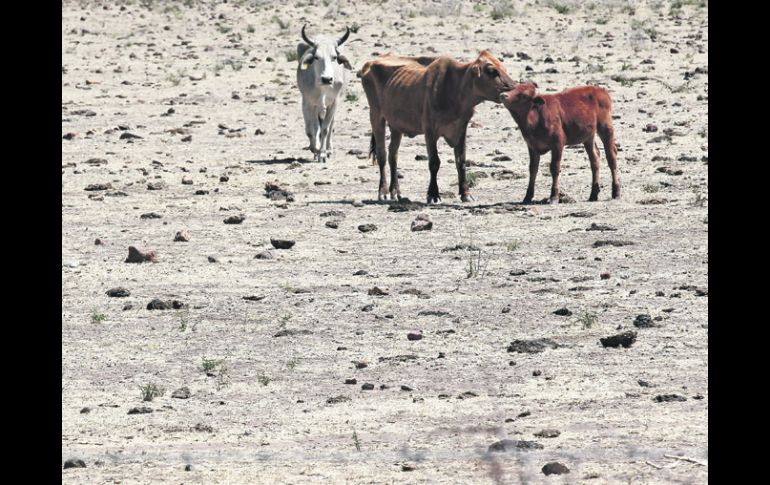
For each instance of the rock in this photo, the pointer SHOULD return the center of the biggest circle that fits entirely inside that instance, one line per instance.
(274, 192)
(612, 242)
(118, 292)
(605, 276)
(624, 339)
(406, 388)
(650, 128)
(128, 306)
(669, 398)
(333, 213)
(367, 308)
(420, 157)
(351, 381)
(289, 332)
(537, 373)
(187, 180)
(157, 304)
(155, 186)
(547, 433)
(181, 393)
(235, 219)
(600, 227)
(182, 236)
(332, 224)
(188, 468)
(282, 243)
(514, 445)
(150, 215)
(85, 410)
(137, 255)
(212, 259)
(532, 346)
(414, 335)
(644, 383)
(74, 463)
(140, 410)
(95, 187)
(367, 227)
(554, 468)
(376, 291)
(367, 387)
(563, 312)
(643, 321)
(129, 136)
(266, 254)
(337, 399)
(422, 223)
(407, 468)
(98, 242)
(224, 178)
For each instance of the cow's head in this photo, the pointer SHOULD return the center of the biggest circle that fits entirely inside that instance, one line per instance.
(322, 55)
(522, 96)
(489, 77)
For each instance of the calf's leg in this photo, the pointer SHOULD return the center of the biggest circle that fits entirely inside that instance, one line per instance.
(459, 148)
(534, 164)
(607, 134)
(593, 155)
(556, 154)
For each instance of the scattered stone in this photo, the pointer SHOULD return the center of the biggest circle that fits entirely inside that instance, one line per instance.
(563, 312)
(554, 468)
(266, 254)
(129, 136)
(414, 335)
(182, 236)
(181, 393)
(337, 399)
(467, 394)
(118, 292)
(254, 298)
(224, 178)
(420, 157)
(367, 227)
(155, 185)
(669, 398)
(332, 224)
(235, 219)
(289, 332)
(351, 381)
(157, 304)
(187, 180)
(600, 227)
(624, 339)
(536, 373)
(98, 242)
(376, 291)
(422, 223)
(274, 192)
(650, 128)
(137, 255)
(367, 308)
(532, 346)
(367, 387)
(605, 276)
(644, 383)
(188, 468)
(212, 259)
(548, 433)
(128, 306)
(282, 243)
(406, 388)
(407, 468)
(333, 213)
(612, 242)
(140, 410)
(95, 187)
(150, 215)
(514, 445)
(68, 136)
(74, 463)
(643, 321)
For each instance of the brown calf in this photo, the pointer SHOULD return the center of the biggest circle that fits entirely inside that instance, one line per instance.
(434, 96)
(550, 122)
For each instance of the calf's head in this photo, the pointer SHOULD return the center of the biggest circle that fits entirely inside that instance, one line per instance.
(489, 77)
(522, 97)
(322, 55)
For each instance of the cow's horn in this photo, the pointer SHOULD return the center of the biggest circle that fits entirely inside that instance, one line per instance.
(305, 37)
(344, 37)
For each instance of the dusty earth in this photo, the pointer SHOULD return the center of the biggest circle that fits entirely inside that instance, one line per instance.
(209, 91)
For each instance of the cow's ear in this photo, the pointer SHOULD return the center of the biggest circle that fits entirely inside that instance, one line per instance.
(344, 61)
(301, 48)
(538, 100)
(476, 70)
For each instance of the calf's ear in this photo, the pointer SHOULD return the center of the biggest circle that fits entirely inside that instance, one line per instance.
(538, 100)
(476, 70)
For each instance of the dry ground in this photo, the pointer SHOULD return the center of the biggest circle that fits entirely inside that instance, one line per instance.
(167, 71)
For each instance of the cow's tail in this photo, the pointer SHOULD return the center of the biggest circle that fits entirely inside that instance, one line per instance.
(373, 149)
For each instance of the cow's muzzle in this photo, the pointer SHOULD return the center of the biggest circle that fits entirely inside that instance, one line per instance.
(327, 80)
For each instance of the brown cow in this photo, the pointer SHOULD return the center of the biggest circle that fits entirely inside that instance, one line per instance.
(550, 122)
(434, 96)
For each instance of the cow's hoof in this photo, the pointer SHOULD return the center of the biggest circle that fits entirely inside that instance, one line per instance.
(616, 192)
(553, 200)
(527, 200)
(467, 198)
(593, 197)
(434, 199)
(395, 195)
(382, 195)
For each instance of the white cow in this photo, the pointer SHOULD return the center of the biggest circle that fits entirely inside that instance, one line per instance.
(321, 77)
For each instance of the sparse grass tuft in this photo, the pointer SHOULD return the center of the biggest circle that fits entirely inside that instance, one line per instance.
(650, 188)
(291, 55)
(356, 442)
(476, 264)
(284, 25)
(512, 246)
(351, 97)
(97, 316)
(560, 6)
(700, 199)
(209, 365)
(587, 319)
(263, 379)
(502, 9)
(151, 391)
(472, 179)
(250, 29)
(292, 364)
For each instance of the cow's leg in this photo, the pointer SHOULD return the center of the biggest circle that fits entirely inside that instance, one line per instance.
(607, 134)
(378, 132)
(434, 162)
(326, 131)
(309, 112)
(556, 154)
(534, 164)
(459, 147)
(329, 145)
(395, 142)
(593, 156)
